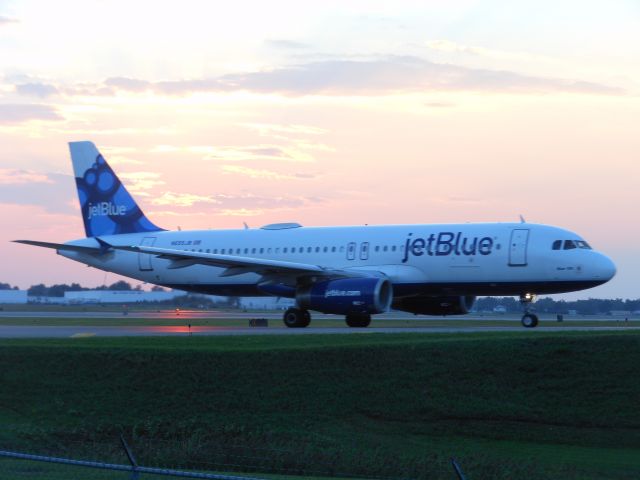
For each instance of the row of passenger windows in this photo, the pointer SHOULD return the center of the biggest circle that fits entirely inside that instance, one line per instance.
(570, 245)
(268, 250)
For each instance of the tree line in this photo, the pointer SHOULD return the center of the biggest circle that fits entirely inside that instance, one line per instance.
(591, 306)
(58, 290)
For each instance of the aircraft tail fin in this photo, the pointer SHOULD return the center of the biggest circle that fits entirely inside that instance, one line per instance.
(107, 207)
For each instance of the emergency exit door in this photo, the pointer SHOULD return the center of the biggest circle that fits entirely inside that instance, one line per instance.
(518, 247)
(144, 259)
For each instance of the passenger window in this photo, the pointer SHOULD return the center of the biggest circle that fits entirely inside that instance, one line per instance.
(385, 248)
(246, 250)
(215, 251)
(325, 249)
(569, 245)
(222, 251)
(393, 248)
(333, 249)
(277, 249)
(557, 244)
(261, 250)
(268, 250)
(341, 249)
(253, 250)
(293, 249)
(284, 250)
(308, 249)
(317, 249)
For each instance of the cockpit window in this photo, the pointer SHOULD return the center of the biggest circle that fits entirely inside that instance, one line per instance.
(583, 244)
(569, 244)
(557, 245)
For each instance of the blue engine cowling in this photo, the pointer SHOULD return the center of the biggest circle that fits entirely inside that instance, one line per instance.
(347, 295)
(458, 305)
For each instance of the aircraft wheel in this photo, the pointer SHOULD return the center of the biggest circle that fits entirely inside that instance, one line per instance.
(529, 320)
(296, 318)
(358, 320)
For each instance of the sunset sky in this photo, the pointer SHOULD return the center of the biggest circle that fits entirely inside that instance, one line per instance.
(219, 113)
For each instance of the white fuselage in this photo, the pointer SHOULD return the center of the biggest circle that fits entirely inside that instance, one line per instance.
(453, 259)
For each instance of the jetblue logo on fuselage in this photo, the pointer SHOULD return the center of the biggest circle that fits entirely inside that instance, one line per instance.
(446, 243)
(105, 208)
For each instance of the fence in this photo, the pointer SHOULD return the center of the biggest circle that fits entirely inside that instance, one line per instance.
(133, 470)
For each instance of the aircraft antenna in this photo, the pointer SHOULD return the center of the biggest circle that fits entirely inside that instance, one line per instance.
(522, 220)
(246, 227)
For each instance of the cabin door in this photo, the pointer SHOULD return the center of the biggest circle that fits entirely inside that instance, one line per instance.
(144, 259)
(518, 247)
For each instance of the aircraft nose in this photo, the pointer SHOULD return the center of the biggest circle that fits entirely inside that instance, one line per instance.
(604, 267)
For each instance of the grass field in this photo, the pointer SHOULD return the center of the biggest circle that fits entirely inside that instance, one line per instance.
(506, 405)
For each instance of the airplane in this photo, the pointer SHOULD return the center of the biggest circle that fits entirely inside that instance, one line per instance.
(355, 271)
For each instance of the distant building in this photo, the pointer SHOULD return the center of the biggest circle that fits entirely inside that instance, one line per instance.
(13, 296)
(620, 313)
(119, 296)
(48, 300)
(266, 303)
(499, 309)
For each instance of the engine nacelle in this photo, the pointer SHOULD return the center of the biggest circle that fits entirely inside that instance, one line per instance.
(347, 295)
(458, 305)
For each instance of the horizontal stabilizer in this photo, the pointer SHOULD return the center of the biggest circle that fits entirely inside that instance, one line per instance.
(60, 246)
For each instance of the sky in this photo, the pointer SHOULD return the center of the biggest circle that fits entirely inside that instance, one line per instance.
(325, 113)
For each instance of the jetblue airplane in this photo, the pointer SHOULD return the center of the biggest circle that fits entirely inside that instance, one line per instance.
(351, 271)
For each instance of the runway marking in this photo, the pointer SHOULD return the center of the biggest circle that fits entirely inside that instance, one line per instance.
(83, 335)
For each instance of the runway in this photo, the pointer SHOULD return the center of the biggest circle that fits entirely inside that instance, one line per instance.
(19, 331)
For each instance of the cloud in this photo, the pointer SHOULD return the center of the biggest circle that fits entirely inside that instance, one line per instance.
(139, 182)
(393, 74)
(261, 173)
(181, 199)
(253, 152)
(36, 89)
(285, 44)
(448, 46)
(129, 84)
(53, 192)
(224, 204)
(439, 104)
(7, 20)
(18, 177)
(270, 128)
(16, 113)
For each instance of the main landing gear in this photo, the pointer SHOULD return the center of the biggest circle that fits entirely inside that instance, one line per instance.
(299, 318)
(529, 319)
(296, 318)
(358, 320)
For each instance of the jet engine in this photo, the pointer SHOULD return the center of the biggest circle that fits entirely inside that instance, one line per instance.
(454, 305)
(347, 296)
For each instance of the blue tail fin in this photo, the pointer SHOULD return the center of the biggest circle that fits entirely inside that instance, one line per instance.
(107, 207)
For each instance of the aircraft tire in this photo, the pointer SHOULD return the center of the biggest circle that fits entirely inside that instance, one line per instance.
(529, 320)
(296, 318)
(358, 320)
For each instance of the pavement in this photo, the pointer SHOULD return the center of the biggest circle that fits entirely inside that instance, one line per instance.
(25, 331)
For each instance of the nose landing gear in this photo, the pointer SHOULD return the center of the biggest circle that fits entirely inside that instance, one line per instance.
(529, 319)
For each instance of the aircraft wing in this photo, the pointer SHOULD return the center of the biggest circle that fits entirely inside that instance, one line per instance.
(235, 265)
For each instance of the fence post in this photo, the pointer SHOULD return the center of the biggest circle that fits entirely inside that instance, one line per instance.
(135, 474)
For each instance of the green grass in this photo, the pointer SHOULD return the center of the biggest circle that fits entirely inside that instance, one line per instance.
(506, 405)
